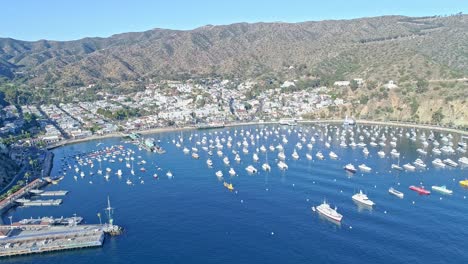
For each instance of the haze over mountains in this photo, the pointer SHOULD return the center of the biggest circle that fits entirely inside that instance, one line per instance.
(379, 48)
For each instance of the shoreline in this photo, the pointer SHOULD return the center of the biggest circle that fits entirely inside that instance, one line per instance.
(332, 121)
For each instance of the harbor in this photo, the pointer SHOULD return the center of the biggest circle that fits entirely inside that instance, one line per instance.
(270, 174)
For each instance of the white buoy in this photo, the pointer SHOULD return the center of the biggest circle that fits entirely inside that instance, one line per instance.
(413, 202)
(272, 233)
(341, 191)
(385, 212)
(350, 227)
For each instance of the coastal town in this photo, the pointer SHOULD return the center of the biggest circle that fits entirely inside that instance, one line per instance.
(167, 103)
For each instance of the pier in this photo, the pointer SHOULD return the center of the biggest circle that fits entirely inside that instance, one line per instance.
(27, 202)
(30, 239)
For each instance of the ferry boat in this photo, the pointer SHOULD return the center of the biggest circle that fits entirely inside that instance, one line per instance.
(442, 189)
(350, 167)
(325, 210)
(228, 186)
(362, 198)
(393, 191)
(419, 190)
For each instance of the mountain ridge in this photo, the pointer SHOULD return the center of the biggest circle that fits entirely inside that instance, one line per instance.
(381, 48)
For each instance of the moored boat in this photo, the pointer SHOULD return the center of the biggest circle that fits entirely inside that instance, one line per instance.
(419, 190)
(325, 210)
(393, 191)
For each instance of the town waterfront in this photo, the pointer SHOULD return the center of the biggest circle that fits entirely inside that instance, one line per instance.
(192, 218)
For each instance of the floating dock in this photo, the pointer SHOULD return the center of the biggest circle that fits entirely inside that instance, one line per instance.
(27, 202)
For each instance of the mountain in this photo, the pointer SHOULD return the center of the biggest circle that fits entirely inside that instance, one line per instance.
(380, 48)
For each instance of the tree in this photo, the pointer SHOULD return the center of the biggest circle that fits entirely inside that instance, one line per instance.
(421, 86)
(437, 116)
(354, 85)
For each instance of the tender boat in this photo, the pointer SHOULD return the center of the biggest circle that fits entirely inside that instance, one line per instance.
(419, 190)
(442, 189)
(325, 210)
(398, 194)
(350, 167)
(362, 198)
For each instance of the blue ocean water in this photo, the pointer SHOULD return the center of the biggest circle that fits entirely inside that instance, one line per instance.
(192, 218)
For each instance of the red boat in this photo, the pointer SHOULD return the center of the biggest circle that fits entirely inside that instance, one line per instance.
(420, 190)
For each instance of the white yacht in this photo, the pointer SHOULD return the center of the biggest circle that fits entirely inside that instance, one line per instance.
(295, 155)
(226, 161)
(450, 162)
(327, 211)
(251, 169)
(420, 163)
(333, 155)
(282, 165)
(266, 167)
(319, 155)
(438, 163)
(209, 162)
(364, 167)
(219, 174)
(409, 167)
(255, 157)
(363, 199)
(232, 172)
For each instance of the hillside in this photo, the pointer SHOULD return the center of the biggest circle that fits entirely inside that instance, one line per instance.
(378, 48)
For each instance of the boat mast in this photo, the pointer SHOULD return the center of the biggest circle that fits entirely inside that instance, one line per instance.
(109, 212)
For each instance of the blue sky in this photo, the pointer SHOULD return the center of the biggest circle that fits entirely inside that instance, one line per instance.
(67, 19)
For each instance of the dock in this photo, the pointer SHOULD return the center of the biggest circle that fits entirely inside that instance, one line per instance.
(27, 202)
(30, 239)
(52, 193)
